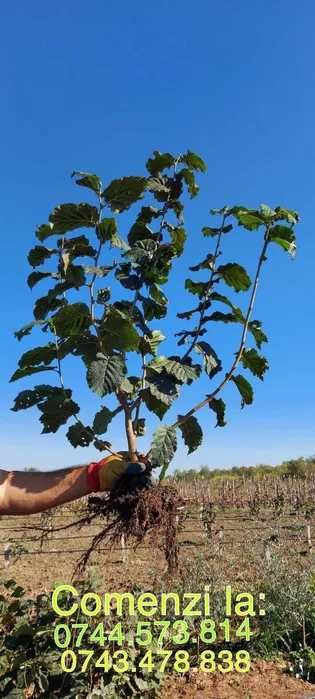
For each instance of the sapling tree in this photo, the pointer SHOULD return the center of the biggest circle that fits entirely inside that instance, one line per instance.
(107, 304)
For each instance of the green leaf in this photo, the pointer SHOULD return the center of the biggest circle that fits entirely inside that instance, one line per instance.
(207, 263)
(244, 388)
(38, 355)
(182, 370)
(191, 432)
(163, 386)
(45, 304)
(105, 373)
(89, 180)
(152, 309)
(209, 232)
(121, 193)
(193, 161)
(235, 275)
(178, 237)
(56, 411)
(27, 329)
(164, 445)
(68, 217)
(118, 332)
(253, 361)
(153, 404)
(212, 362)
(103, 296)
(288, 215)
(198, 288)
(72, 320)
(159, 162)
(29, 398)
(139, 427)
(39, 254)
(157, 294)
(150, 344)
(78, 246)
(283, 236)
(189, 177)
(27, 371)
(101, 420)
(36, 277)
(79, 435)
(218, 406)
(248, 218)
(255, 328)
(107, 229)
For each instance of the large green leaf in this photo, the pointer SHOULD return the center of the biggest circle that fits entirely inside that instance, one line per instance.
(212, 362)
(27, 371)
(72, 320)
(154, 405)
(106, 229)
(54, 403)
(191, 432)
(178, 237)
(244, 388)
(209, 232)
(163, 386)
(182, 370)
(38, 254)
(253, 361)
(46, 304)
(159, 162)
(120, 194)
(118, 332)
(89, 180)
(101, 420)
(248, 218)
(288, 215)
(68, 217)
(79, 435)
(163, 447)
(152, 309)
(192, 160)
(38, 355)
(36, 277)
(105, 373)
(77, 246)
(56, 411)
(283, 236)
(218, 406)
(198, 288)
(188, 176)
(157, 294)
(235, 275)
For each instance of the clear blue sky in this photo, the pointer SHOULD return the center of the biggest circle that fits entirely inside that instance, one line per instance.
(97, 86)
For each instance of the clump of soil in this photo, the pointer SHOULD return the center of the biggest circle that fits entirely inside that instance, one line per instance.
(133, 509)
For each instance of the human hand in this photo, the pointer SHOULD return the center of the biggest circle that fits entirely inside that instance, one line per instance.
(104, 474)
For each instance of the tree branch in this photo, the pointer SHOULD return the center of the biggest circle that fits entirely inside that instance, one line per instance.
(209, 285)
(238, 357)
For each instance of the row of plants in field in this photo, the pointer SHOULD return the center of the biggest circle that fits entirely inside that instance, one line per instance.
(30, 661)
(294, 468)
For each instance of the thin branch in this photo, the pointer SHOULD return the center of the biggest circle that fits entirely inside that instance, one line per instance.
(206, 293)
(238, 357)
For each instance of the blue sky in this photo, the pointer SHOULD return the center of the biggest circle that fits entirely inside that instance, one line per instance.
(98, 86)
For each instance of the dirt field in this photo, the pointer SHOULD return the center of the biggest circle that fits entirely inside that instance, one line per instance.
(236, 542)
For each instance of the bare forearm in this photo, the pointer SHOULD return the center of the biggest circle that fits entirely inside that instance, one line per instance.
(27, 493)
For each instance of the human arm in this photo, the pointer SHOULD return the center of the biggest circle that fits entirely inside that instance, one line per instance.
(23, 493)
